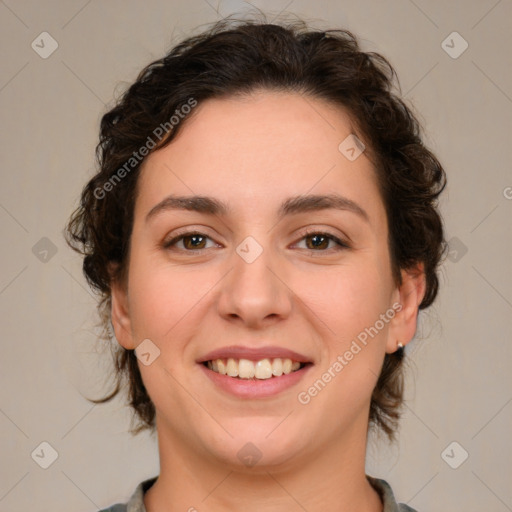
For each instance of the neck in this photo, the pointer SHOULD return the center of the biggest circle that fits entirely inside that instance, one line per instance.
(333, 479)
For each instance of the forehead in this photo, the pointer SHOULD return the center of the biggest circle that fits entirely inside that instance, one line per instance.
(251, 150)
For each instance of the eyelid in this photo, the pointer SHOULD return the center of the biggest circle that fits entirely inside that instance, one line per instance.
(341, 242)
(179, 235)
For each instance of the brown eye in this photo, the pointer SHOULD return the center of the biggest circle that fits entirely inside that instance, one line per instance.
(319, 242)
(193, 241)
(190, 242)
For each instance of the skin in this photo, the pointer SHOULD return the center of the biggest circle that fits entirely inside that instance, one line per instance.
(254, 152)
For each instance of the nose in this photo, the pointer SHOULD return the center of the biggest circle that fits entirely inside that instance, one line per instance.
(255, 294)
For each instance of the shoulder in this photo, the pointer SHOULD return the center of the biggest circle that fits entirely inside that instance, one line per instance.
(405, 508)
(136, 501)
(387, 496)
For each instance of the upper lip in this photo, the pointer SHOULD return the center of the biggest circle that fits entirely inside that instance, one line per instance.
(253, 354)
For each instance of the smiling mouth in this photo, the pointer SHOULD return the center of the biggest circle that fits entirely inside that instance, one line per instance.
(258, 370)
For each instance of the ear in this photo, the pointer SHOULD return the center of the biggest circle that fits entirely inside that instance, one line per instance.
(409, 296)
(120, 315)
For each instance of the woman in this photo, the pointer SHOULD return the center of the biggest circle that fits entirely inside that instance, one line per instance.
(263, 230)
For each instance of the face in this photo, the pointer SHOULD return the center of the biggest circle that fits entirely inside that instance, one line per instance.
(273, 275)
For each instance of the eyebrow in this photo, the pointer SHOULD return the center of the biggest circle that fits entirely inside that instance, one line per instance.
(292, 205)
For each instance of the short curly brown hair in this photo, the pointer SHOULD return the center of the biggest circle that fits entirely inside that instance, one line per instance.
(237, 57)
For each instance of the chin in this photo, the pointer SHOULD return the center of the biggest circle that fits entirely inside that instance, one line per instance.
(260, 448)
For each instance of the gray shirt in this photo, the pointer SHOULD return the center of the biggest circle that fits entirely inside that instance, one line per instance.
(136, 502)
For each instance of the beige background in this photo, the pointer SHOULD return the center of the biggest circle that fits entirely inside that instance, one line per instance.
(459, 387)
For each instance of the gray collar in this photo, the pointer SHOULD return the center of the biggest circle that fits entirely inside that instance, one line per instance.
(136, 502)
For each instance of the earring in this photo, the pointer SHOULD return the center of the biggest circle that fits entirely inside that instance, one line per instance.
(399, 346)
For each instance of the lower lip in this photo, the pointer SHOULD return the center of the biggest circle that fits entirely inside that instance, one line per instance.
(256, 388)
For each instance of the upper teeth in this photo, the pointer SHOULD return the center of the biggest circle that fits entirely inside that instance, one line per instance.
(247, 369)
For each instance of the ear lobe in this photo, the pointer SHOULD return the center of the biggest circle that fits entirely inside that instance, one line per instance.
(409, 295)
(120, 315)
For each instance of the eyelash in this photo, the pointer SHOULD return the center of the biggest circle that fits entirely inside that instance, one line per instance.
(341, 244)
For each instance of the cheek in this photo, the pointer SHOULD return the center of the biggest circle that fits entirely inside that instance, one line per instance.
(349, 303)
(346, 298)
(166, 299)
